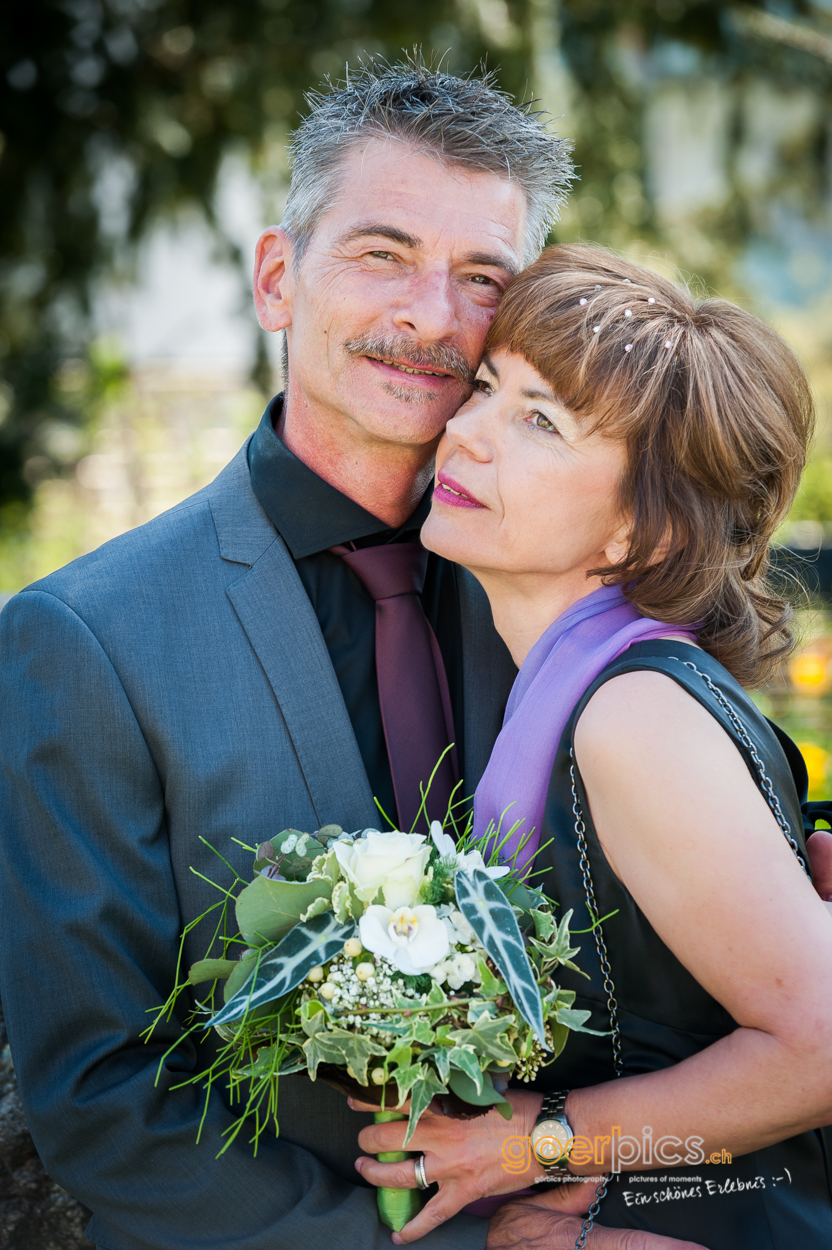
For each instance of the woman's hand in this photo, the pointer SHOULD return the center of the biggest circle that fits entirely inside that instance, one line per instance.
(465, 1159)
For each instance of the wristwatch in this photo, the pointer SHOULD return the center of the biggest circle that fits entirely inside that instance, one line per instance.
(551, 1137)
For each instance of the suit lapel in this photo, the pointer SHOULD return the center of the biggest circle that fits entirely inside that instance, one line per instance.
(274, 610)
(488, 673)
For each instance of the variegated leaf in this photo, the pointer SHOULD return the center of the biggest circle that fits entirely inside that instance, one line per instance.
(304, 947)
(490, 915)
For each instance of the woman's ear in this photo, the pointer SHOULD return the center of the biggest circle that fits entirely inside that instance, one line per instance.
(273, 279)
(617, 548)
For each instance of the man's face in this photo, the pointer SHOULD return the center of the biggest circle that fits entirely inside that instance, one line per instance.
(396, 290)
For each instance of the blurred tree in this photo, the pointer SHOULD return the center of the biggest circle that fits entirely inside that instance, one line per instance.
(113, 112)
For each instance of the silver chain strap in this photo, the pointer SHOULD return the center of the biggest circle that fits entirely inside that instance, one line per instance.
(765, 781)
(609, 986)
(601, 946)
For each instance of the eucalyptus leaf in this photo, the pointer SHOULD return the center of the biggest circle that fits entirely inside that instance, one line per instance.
(486, 1096)
(490, 915)
(211, 970)
(304, 947)
(267, 910)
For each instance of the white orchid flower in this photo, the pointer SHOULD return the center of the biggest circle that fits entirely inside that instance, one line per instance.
(463, 861)
(413, 938)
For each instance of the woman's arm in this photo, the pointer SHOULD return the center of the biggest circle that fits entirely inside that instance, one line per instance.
(685, 828)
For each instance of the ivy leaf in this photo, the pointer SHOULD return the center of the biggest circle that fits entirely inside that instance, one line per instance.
(442, 1061)
(544, 924)
(338, 1046)
(313, 1017)
(422, 1032)
(267, 910)
(401, 1054)
(466, 1060)
(421, 1096)
(304, 947)
(486, 1096)
(406, 1078)
(490, 915)
(576, 1020)
(486, 1039)
(211, 970)
(491, 986)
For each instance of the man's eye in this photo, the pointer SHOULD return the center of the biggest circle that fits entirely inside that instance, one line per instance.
(482, 279)
(383, 255)
(542, 422)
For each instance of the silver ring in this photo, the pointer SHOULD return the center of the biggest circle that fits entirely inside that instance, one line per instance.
(419, 1168)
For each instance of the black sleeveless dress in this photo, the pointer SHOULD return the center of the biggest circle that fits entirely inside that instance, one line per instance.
(778, 1198)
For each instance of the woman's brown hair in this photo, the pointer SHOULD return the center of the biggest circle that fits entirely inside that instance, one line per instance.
(716, 413)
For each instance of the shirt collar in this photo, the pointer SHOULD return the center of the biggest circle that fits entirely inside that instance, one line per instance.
(308, 513)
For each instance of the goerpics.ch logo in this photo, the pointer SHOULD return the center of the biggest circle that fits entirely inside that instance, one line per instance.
(611, 1152)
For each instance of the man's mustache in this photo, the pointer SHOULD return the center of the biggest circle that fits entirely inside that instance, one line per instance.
(431, 356)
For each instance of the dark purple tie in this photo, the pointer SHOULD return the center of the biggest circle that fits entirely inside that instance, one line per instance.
(412, 685)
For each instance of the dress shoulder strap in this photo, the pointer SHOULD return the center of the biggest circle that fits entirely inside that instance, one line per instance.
(759, 741)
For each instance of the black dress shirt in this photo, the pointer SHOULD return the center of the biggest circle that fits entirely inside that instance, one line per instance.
(311, 516)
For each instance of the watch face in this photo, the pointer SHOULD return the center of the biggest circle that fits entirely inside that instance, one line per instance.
(549, 1141)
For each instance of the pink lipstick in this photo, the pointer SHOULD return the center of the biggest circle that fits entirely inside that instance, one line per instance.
(450, 492)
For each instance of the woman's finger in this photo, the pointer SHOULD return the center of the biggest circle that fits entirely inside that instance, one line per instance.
(390, 1175)
(355, 1104)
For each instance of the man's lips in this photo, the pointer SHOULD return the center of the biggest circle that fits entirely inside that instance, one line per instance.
(406, 367)
(450, 492)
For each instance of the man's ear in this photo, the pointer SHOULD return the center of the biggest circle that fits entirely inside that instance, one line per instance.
(273, 279)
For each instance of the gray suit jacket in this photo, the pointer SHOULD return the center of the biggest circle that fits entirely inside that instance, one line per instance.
(170, 687)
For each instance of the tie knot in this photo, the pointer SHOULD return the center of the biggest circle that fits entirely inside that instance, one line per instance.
(388, 571)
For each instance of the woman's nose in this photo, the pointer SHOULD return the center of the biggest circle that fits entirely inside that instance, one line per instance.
(469, 431)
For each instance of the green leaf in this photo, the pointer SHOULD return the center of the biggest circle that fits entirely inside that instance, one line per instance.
(441, 1057)
(486, 1096)
(544, 924)
(401, 1054)
(313, 1017)
(318, 908)
(422, 1032)
(211, 970)
(487, 1040)
(491, 987)
(406, 1078)
(345, 1049)
(466, 1060)
(575, 1020)
(267, 910)
(490, 915)
(421, 1096)
(304, 947)
(241, 972)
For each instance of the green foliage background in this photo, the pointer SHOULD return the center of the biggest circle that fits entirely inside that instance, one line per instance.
(152, 94)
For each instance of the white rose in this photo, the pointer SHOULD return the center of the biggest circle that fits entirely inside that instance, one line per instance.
(411, 938)
(391, 862)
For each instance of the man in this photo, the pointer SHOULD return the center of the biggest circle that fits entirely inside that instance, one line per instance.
(212, 676)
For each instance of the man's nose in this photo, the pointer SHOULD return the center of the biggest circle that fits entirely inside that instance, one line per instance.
(428, 308)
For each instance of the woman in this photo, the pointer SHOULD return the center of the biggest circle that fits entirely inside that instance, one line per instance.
(628, 454)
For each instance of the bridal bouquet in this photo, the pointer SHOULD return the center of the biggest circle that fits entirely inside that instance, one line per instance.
(392, 965)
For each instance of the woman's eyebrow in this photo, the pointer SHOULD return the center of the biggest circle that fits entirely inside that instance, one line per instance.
(489, 364)
(547, 395)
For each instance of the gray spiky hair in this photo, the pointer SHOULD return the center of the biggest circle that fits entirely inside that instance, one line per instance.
(465, 122)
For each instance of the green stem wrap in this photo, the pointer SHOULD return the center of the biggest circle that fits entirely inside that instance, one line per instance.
(396, 1207)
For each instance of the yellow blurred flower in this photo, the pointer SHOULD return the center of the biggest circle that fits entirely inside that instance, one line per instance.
(816, 760)
(811, 672)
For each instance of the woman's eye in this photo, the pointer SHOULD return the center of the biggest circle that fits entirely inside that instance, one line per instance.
(542, 422)
(482, 386)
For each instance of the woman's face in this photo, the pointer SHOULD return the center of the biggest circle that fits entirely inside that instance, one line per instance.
(521, 488)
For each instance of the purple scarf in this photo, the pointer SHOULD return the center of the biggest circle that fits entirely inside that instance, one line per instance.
(561, 665)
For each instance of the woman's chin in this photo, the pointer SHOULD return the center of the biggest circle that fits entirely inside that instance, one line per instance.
(448, 536)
